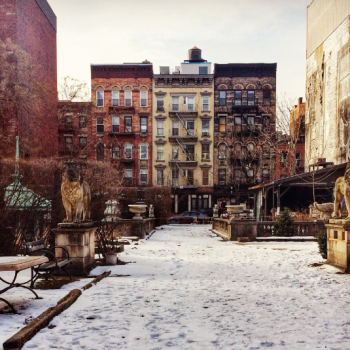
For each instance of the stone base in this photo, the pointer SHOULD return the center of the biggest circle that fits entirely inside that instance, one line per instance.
(338, 244)
(243, 228)
(80, 244)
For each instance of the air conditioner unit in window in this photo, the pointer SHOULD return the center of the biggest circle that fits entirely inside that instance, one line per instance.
(205, 133)
(221, 157)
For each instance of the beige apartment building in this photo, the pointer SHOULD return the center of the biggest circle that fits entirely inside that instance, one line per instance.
(183, 127)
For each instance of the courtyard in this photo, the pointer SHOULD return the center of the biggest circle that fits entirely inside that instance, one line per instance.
(184, 288)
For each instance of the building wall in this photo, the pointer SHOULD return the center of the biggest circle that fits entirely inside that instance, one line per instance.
(327, 111)
(186, 196)
(193, 67)
(31, 24)
(121, 78)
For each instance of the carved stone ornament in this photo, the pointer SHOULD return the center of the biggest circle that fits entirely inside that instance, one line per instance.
(342, 189)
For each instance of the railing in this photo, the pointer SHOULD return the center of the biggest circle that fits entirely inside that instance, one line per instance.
(180, 157)
(181, 132)
(304, 228)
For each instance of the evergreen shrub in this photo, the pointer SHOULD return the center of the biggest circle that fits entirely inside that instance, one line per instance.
(284, 225)
(322, 243)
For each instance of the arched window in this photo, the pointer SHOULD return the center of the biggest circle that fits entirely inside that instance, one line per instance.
(100, 151)
(143, 151)
(128, 151)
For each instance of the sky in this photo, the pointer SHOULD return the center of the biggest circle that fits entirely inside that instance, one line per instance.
(227, 31)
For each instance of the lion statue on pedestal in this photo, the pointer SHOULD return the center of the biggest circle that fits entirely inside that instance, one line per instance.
(342, 189)
(76, 195)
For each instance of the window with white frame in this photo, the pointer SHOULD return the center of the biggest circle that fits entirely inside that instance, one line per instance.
(190, 127)
(190, 104)
(175, 128)
(115, 124)
(175, 103)
(160, 153)
(127, 124)
(238, 98)
(128, 175)
(115, 98)
(127, 98)
(160, 177)
(251, 97)
(143, 98)
(128, 151)
(143, 177)
(143, 151)
(160, 103)
(205, 127)
(160, 127)
(99, 98)
(100, 125)
(205, 103)
(222, 98)
(175, 152)
(205, 151)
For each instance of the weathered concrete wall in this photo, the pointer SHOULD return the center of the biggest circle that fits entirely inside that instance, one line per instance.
(327, 113)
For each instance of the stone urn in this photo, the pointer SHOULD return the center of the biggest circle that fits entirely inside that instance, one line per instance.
(137, 209)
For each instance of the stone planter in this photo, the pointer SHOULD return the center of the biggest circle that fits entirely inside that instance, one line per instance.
(234, 209)
(111, 259)
(137, 209)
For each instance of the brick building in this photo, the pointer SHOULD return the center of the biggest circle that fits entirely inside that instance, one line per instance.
(31, 25)
(244, 129)
(183, 132)
(121, 123)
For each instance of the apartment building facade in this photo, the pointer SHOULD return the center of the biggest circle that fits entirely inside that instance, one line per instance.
(183, 127)
(244, 129)
(121, 96)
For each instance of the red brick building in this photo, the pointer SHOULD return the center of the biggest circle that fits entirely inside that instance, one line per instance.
(122, 118)
(31, 25)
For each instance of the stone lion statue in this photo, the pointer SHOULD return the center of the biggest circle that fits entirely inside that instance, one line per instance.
(76, 195)
(342, 189)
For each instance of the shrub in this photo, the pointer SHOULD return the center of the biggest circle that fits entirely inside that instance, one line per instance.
(322, 243)
(284, 225)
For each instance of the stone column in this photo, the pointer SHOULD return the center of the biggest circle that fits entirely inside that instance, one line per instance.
(338, 244)
(80, 244)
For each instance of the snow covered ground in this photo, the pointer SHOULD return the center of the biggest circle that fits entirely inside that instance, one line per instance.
(189, 290)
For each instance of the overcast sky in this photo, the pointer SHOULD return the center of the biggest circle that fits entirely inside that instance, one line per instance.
(227, 31)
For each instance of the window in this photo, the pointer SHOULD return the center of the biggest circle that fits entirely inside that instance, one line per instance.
(205, 103)
(250, 172)
(143, 151)
(128, 175)
(100, 151)
(68, 122)
(267, 97)
(82, 122)
(251, 97)
(175, 177)
(266, 124)
(237, 151)
(175, 128)
(283, 158)
(115, 152)
(128, 151)
(189, 176)
(160, 127)
(237, 175)
(190, 127)
(222, 98)
(238, 98)
(99, 98)
(250, 121)
(115, 98)
(222, 124)
(115, 124)
(266, 175)
(100, 126)
(194, 205)
(127, 124)
(82, 142)
(266, 151)
(143, 98)
(238, 124)
(205, 177)
(160, 153)
(222, 176)
(298, 159)
(190, 104)
(160, 177)
(175, 103)
(205, 151)
(189, 152)
(185, 100)
(160, 103)
(69, 142)
(203, 70)
(222, 151)
(143, 124)
(175, 152)
(128, 98)
(143, 177)
(205, 127)
(251, 148)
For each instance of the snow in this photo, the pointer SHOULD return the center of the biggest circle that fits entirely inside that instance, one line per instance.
(185, 288)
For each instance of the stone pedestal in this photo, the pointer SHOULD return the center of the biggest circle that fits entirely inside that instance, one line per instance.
(80, 244)
(338, 244)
